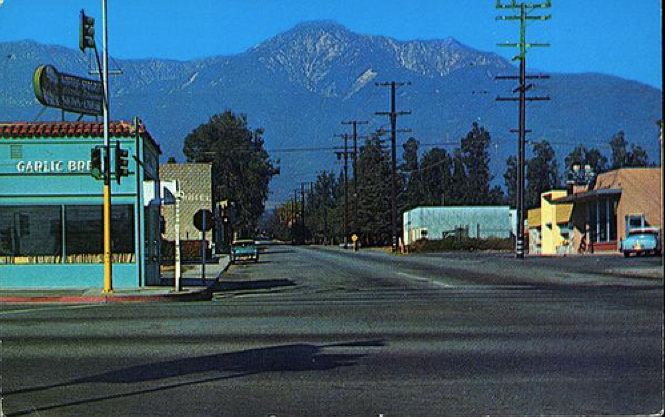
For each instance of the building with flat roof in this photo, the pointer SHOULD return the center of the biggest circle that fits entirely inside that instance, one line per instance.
(51, 226)
(434, 223)
(601, 214)
(195, 183)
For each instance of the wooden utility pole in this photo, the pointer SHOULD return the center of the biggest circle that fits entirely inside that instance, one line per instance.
(393, 115)
(302, 211)
(354, 155)
(345, 224)
(523, 17)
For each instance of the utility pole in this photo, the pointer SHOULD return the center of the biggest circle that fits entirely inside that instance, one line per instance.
(296, 230)
(661, 135)
(345, 224)
(355, 124)
(393, 114)
(302, 211)
(107, 192)
(523, 17)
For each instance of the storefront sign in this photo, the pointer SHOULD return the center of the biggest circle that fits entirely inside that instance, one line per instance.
(44, 167)
(67, 92)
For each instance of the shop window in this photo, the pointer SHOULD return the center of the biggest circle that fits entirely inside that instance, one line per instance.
(602, 221)
(31, 234)
(84, 234)
(613, 203)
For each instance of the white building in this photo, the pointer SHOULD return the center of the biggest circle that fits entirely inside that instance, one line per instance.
(436, 223)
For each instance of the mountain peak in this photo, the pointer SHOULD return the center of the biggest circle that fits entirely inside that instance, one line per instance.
(310, 51)
(320, 24)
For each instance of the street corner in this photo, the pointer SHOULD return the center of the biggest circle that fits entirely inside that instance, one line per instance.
(95, 296)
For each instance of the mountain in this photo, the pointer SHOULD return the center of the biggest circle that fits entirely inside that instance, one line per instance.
(300, 85)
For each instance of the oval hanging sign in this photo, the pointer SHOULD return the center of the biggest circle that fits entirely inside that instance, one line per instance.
(67, 92)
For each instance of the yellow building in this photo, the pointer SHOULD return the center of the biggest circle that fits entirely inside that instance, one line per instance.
(549, 226)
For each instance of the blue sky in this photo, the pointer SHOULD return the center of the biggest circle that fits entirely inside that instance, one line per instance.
(619, 37)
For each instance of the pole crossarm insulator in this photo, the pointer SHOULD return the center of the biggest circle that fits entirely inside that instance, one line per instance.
(527, 45)
(527, 98)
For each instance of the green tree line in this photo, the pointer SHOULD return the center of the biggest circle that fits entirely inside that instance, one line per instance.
(436, 177)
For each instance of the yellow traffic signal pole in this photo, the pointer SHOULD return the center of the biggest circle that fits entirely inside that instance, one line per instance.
(107, 192)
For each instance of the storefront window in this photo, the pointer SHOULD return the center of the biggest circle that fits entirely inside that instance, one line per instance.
(44, 234)
(602, 220)
(84, 234)
(31, 234)
(613, 224)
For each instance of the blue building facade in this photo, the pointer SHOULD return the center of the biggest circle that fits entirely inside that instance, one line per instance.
(51, 227)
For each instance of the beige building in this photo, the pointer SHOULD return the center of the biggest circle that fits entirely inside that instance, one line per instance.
(598, 217)
(195, 181)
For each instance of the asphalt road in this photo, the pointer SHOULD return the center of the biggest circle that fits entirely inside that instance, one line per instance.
(313, 332)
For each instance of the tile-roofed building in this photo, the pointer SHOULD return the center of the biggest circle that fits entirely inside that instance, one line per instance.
(51, 228)
(80, 129)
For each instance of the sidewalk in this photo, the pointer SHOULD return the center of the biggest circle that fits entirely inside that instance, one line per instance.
(193, 288)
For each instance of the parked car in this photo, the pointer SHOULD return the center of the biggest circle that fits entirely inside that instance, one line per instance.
(243, 250)
(641, 241)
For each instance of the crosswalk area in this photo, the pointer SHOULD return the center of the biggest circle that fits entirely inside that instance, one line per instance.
(390, 295)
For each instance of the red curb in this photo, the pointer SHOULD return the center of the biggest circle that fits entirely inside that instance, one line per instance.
(90, 299)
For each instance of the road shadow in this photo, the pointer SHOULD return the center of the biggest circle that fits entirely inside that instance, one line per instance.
(261, 284)
(284, 358)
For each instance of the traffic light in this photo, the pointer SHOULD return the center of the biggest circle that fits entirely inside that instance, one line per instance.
(86, 31)
(120, 162)
(96, 163)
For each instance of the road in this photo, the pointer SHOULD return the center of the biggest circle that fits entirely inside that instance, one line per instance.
(323, 332)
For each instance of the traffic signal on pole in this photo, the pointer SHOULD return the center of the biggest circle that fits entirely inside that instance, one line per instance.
(86, 31)
(120, 162)
(96, 163)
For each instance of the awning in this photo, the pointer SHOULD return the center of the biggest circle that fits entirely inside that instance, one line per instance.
(589, 195)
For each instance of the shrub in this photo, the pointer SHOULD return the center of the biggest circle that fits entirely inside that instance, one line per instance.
(462, 244)
(190, 251)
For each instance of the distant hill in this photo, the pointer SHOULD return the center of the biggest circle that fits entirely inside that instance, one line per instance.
(301, 84)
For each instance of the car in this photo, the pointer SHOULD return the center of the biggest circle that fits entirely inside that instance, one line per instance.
(243, 250)
(641, 241)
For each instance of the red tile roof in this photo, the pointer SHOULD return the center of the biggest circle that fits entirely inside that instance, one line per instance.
(26, 130)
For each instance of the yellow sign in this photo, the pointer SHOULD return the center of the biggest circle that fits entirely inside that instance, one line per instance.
(354, 238)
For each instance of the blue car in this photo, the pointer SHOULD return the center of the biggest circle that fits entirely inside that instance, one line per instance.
(641, 241)
(243, 250)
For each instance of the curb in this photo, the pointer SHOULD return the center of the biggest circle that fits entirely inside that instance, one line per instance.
(203, 295)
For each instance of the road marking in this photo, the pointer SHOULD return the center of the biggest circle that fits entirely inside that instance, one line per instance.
(424, 279)
(37, 310)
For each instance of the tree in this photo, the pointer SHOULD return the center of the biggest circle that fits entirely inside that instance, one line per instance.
(374, 187)
(436, 177)
(241, 167)
(510, 180)
(542, 173)
(637, 157)
(321, 204)
(618, 144)
(582, 157)
(622, 157)
(475, 158)
(412, 193)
